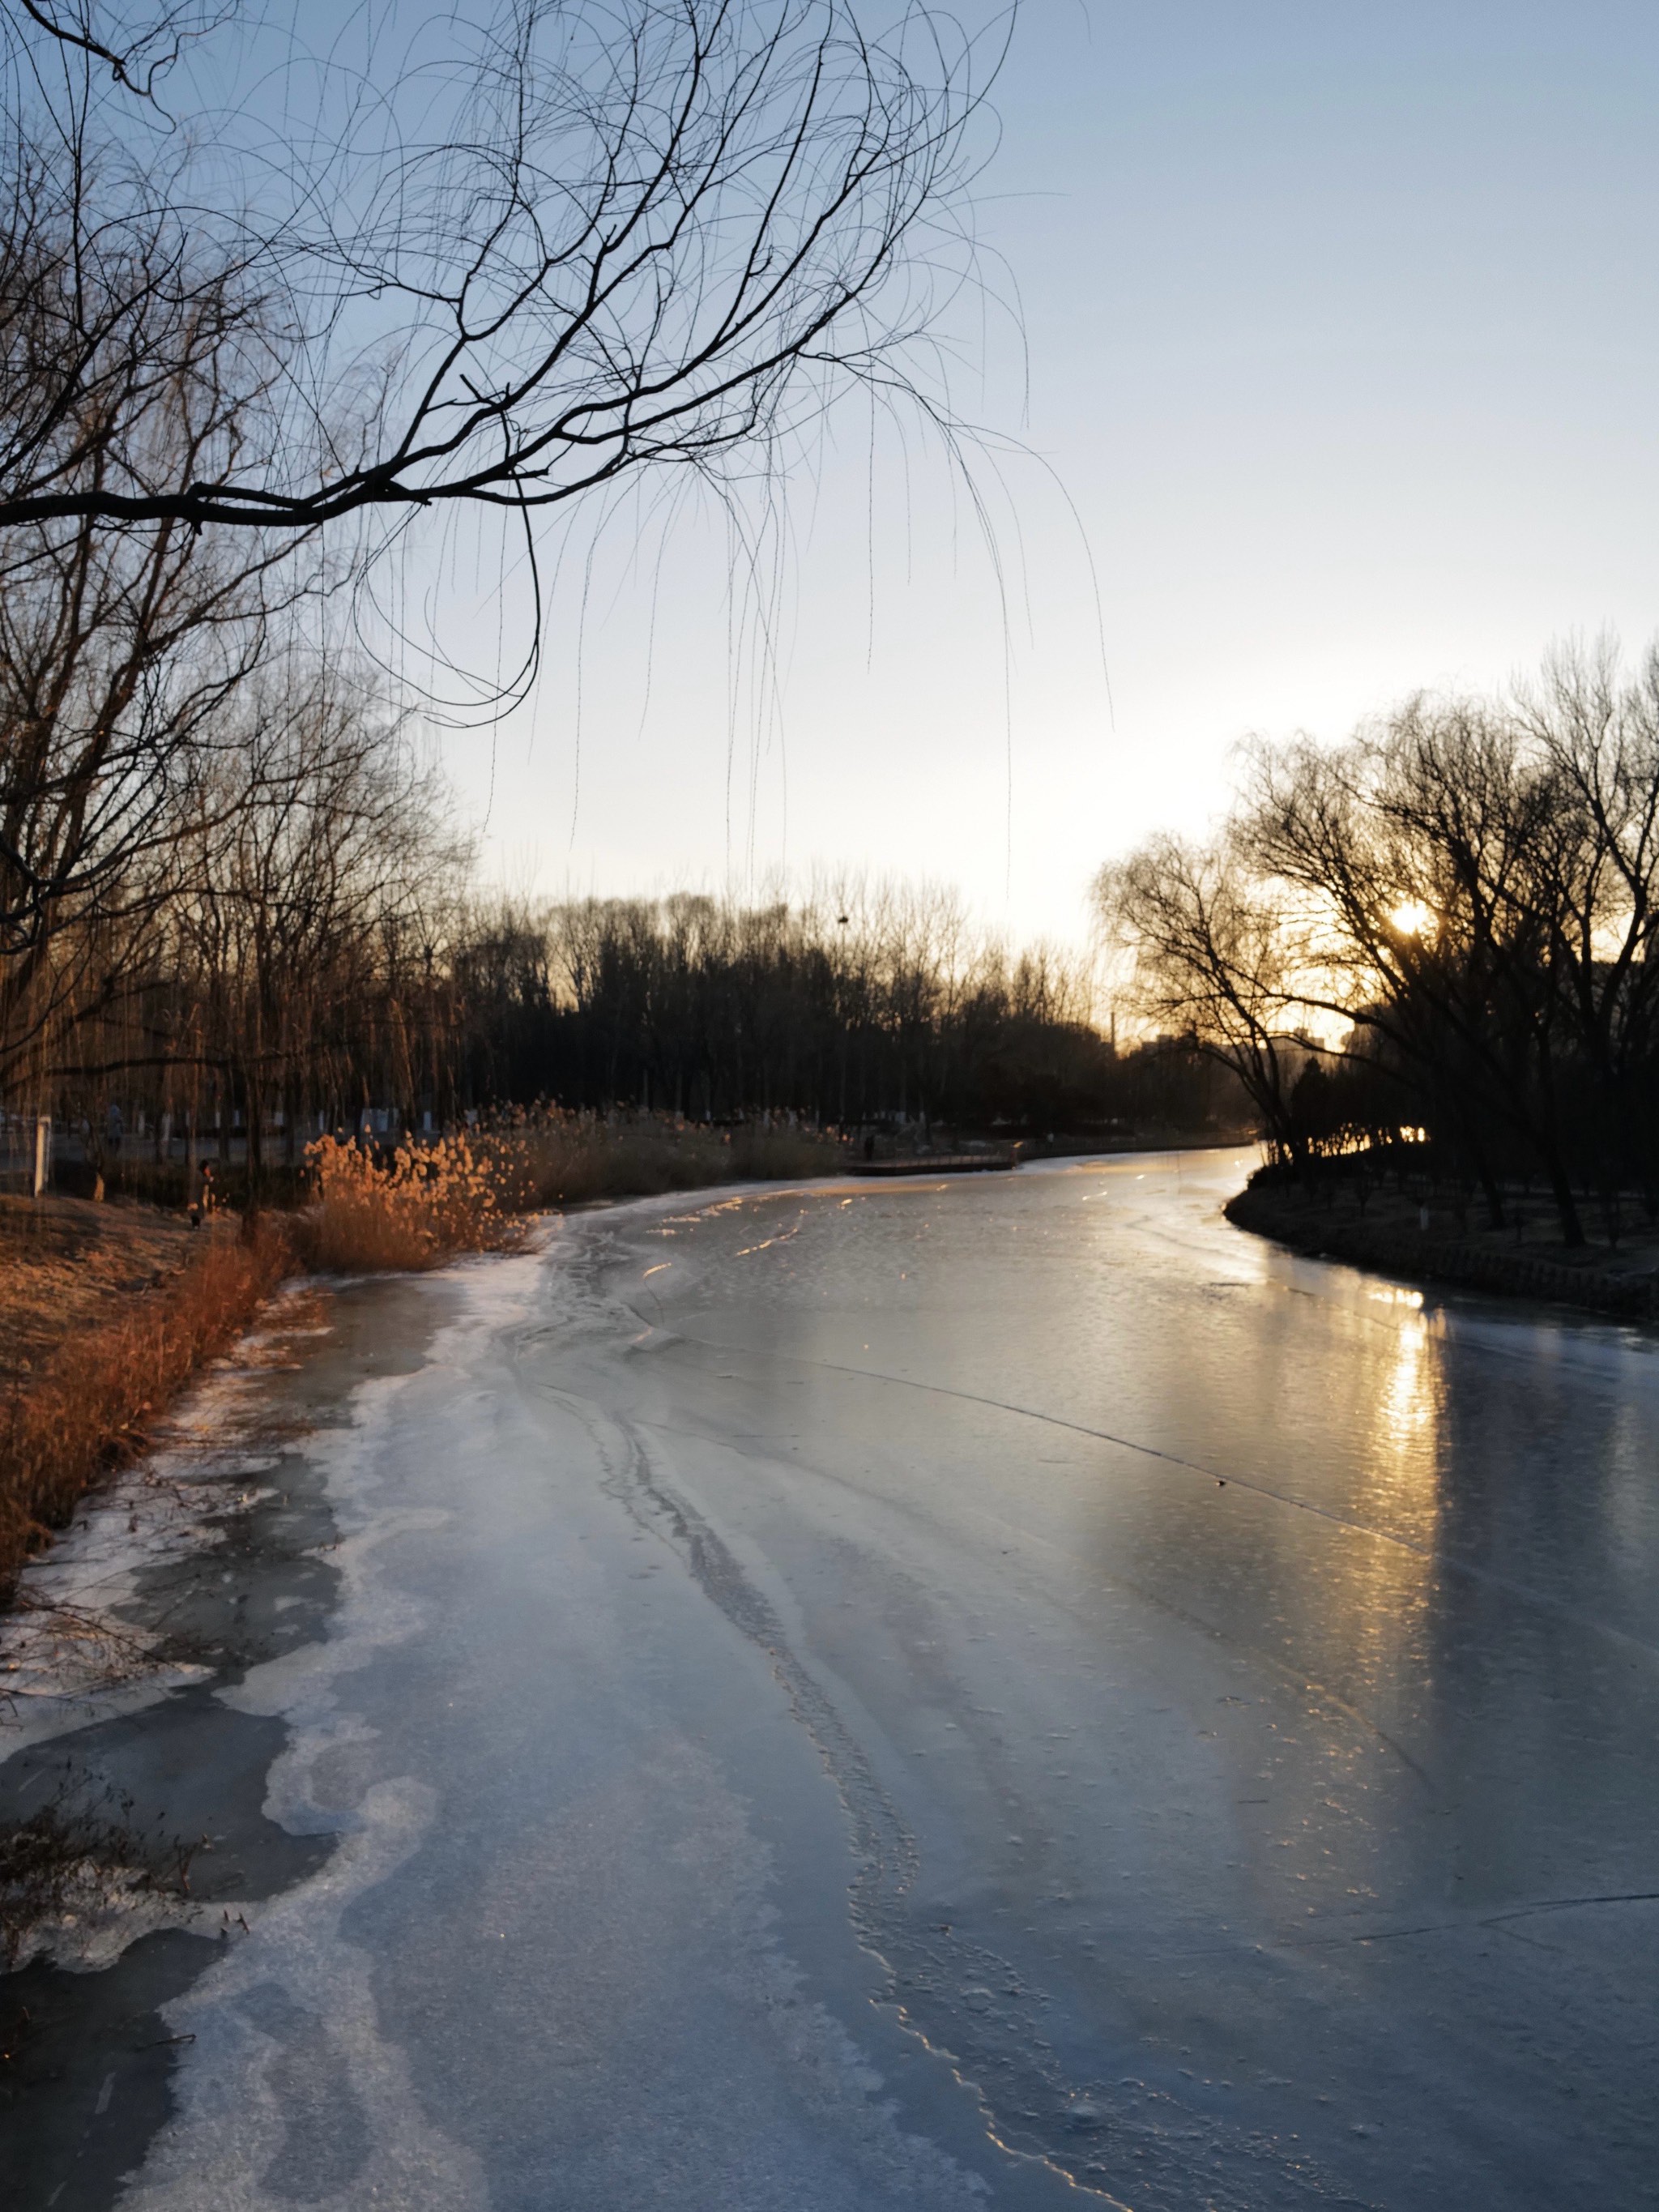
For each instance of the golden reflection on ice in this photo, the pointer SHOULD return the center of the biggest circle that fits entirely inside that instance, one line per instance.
(1387, 1587)
(1410, 1403)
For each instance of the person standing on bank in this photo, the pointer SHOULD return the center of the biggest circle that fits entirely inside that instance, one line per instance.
(204, 1196)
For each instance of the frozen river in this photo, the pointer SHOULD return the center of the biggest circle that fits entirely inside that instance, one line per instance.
(900, 1696)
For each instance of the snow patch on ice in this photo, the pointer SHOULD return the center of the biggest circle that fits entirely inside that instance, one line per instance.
(296, 1994)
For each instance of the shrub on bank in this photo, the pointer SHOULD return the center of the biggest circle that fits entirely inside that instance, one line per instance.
(414, 1206)
(364, 1207)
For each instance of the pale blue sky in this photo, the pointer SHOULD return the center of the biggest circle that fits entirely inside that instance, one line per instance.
(1343, 332)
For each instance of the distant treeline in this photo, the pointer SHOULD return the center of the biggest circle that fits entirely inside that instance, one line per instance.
(1440, 937)
(261, 923)
(847, 1010)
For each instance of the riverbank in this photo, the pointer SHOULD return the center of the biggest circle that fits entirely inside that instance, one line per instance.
(128, 1760)
(109, 1313)
(1525, 1259)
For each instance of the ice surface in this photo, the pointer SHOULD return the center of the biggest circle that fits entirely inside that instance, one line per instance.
(918, 1696)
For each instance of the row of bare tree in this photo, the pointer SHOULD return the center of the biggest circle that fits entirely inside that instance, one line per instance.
(1459, 909)
(852, 1006)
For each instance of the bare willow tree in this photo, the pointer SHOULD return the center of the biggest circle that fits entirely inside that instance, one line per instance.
(139, 48)
(1210, 963)
(318, 876)
(121, 647)
(561, 244)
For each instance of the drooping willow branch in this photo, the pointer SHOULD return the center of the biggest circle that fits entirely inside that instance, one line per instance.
(635, 234)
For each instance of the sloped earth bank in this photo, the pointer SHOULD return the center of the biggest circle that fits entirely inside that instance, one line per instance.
(910, 1696)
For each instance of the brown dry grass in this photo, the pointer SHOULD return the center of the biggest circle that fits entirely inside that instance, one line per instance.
(88, 1406)
(129, 1335)
(63, 1261)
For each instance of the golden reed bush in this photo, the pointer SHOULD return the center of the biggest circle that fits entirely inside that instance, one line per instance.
(410, 1211)
(91, 1406)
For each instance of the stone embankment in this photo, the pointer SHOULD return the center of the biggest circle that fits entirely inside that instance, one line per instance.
(1625, 1284)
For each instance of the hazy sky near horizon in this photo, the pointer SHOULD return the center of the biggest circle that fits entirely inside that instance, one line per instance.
(1341, 329)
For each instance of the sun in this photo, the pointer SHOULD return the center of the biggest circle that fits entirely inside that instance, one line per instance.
(1411, 918)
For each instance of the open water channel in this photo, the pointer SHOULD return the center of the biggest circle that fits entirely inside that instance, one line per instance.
(928, 1696)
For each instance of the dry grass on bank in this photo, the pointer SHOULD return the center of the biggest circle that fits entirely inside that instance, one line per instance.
(462, 1193)
(88, 1405)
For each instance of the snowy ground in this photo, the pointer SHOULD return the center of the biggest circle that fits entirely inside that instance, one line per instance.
(939, 1696)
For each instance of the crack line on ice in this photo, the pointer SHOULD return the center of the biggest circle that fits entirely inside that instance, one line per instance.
(1446, 1559)
(1264, 1654)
